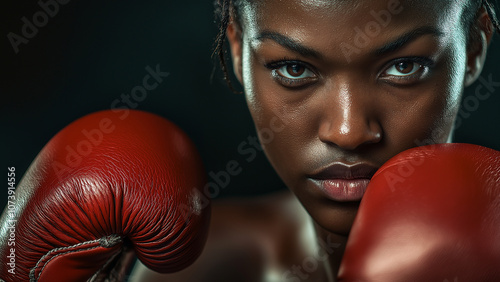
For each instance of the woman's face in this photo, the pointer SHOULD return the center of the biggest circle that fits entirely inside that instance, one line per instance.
(336, 88)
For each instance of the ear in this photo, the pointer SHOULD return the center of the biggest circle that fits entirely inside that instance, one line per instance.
(478, 46)
(235, 43)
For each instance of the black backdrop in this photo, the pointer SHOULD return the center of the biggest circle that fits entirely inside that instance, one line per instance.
(90, 52)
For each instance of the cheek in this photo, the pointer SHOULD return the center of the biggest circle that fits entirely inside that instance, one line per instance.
(424, 122)
(279, 128)
(430, 118)
(451, 89)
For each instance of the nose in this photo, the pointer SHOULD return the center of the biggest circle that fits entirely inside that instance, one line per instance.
(348, 119)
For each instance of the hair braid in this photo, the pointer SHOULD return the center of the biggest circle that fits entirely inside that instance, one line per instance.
(222, 9)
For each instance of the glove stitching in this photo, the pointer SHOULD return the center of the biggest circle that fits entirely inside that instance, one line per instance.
(105, 242)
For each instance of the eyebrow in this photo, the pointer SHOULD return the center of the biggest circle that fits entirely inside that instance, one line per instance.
(289, 44)
(305, 51)
(406, 38)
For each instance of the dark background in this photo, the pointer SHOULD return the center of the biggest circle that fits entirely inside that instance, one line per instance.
(92, 51)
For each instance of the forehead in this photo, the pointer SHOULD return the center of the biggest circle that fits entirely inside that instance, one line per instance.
(340, 17)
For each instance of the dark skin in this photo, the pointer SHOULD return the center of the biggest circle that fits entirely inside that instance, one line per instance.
(326, 105)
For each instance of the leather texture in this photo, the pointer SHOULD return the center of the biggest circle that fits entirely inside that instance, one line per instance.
(108, 185)
(431, 213)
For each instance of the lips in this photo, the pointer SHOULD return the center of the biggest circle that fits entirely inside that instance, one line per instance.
(343, 182)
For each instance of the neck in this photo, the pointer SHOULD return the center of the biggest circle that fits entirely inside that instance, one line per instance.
(331, 248)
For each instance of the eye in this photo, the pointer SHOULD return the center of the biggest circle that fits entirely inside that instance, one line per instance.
(294, 71)
(404, 68)
(407, 71)
(291, 73)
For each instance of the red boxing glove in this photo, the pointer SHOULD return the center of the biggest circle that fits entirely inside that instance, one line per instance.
(429, 214)
(104, 187)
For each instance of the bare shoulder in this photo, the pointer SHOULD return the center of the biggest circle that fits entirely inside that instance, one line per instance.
(249, 239)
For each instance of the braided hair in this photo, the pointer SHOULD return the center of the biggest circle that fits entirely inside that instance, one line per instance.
(227, 9)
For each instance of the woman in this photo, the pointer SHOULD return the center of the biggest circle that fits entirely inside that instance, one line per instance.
(335, 88)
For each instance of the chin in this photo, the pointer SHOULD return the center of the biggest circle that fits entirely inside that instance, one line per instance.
(335, 217)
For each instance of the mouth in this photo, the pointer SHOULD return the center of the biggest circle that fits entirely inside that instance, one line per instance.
(342, 182)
